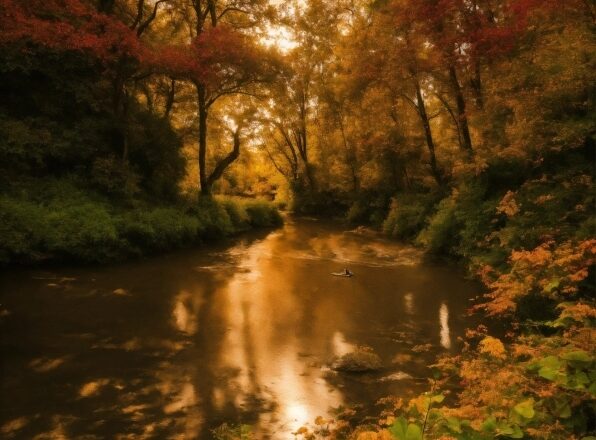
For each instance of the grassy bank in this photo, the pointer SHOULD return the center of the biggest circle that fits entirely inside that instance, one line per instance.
(61, 223)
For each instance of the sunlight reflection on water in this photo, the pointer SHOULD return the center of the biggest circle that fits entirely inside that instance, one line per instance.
(444, 321)
(246, 334)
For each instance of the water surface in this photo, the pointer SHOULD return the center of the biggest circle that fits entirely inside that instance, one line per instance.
(171, 347)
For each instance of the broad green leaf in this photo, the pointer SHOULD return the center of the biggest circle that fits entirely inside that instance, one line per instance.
(414, 432)
(437, 399)
(525, 408)
(399, 428)
(551, 362)
(490, 424)
(578, 358)
(517, 432)
(579, 380)
(454, 424)
(577, 355)
(549, 367)
(554, 284)
(561, 408)
(505, 429)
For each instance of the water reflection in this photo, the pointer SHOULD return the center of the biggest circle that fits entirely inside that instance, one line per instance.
(43, 365)
(185, 311)
(409, 303)
(174, 346)
(444, 321)
(261, 315)
(11, 428)
(93, 387)
(340, 345)
(185, 398)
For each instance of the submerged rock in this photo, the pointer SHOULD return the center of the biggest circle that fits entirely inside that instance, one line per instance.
(399, 375)
(361, 360)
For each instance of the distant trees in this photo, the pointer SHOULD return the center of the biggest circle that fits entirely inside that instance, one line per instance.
(370, 96)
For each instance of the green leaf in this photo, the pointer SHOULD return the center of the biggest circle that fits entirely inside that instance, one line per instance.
(511, 431)
(402, 431)
(552, 286)
(577, 355)
(549, 367)
(454, 425)
(414, 432)
(517, 432)
(399, 428)
(525, 409)
(579, 380)
(561, 407)
(437, 399)
(490, 424)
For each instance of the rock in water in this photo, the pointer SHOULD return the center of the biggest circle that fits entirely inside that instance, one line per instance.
(361, 360)
(122, 292)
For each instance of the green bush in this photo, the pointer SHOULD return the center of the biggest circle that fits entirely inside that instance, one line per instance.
(237, 213)
(407, 215)
(213, 217)
(85, 228)
(440, 235)
(158, 229)
(262, 214)
(22, 228)
(86, 232)
(357, 213)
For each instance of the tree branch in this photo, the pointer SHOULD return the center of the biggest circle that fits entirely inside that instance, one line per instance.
(231, 9)
(226, 161)
(143, 27)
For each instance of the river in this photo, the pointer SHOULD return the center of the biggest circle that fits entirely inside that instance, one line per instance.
(173, 346)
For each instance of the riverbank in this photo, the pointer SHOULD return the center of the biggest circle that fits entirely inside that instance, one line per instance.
(527, 232)
(64, 224)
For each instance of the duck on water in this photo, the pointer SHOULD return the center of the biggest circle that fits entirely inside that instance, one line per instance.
(345, 273)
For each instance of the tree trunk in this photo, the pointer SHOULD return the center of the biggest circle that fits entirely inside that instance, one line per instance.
(203, 113)
(477, 86)
(461, 111)
(226, 161)
(428, 134)
(350, 156)
(170, 99)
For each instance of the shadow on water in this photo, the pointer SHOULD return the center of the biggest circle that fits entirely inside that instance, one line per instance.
(176, 345)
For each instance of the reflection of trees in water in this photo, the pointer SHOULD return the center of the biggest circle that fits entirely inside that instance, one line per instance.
(238, 336)
(261, 344)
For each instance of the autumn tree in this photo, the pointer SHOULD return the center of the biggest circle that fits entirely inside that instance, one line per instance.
(222, 59)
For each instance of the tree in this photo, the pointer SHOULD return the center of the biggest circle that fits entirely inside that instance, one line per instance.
(220, 60)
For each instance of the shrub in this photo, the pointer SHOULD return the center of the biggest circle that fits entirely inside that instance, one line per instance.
(22, 228)
(262, 214)
(407, 214)
(213, 217)
(440, 235)
(86, 232)
(237, 213)
(83, 227)
(158, 229)
(357, 213)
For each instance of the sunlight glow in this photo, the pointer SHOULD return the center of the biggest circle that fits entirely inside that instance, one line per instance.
(280, 37)
(298, 415)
